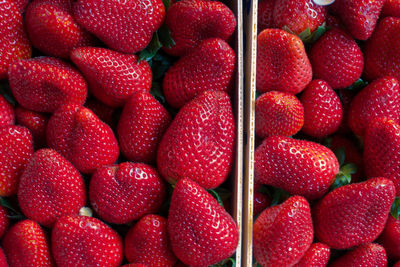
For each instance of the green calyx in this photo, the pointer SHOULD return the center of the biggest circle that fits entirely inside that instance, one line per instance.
(395, 210)
(346, 170)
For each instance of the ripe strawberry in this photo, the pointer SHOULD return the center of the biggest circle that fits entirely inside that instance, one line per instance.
(104, 112)
(112, 76)
(261, 202)
(85, 241)
(4, 221)
(283, 233)
(14, 44)
(353, 214)
(209, 66)
(391, 8)
(134, 265)
(125, 26)
(141, 127)
(44, 84)
(346, 97)
(21, 4)
(201, 232)
(366, 255)
(265, 14)
(25, 244)
(7, 116)
(390, 238)
(35, 122)
(316, 256)
(299, 167)
(192, 21)
(397, 264)
(199, 143)
(82, 138)
(16, 148)
(3, 259)
(147, 242)
(282, 62)
(278, 113)
(337, 59)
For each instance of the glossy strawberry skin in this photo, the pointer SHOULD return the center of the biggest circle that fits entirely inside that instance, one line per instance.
(367, 255)
(282, 62)
(261, 202)
(299, 167)
(391, 8)
(265, 14)
(209, 66)
(192, 21)
(43, 84)
(85, 241)
(7, 115)
(4, 221)
(36, 123)
(390, 238)
(112, 76)
(195, 213)
(3, 259)
(21, 4)
(104, 112)
(141, 127)
(124, 26)
(316, 256)
(289, 231)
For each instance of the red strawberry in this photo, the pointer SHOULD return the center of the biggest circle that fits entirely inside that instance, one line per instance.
(125, 26)
(390, 238)
(278, 113)
(141, 127)
(201, 232)
(4, 221)
(323, 110)
(283, 233)
(265, 14)
(316, 256)
(332, 21)
(199, 143)
(192, 21)
(7, 116)
(282, 62)
(261, 202)
(337, 59)
(346, 97)
(16, 148)
(85, 241)
(125, 192)
(367, 255)
(21, 4)
(209, 66)
(14, 44)
(44, 84)
(147, 242)
(134, 265)
(25, 244)
(112, 76)
(82, 138)
(3, 260)
(391, 8)
(353, 214)
(35, 122)
(397, 264)
(104, 112)
(50, 187)
(299, 167)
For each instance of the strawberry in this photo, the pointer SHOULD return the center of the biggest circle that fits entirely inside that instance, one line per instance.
(16, 148)
(283, 233)
(201, 232)
(209, 66)
(346, 97)
(192, 21)
(147, 242)
(21, 4)
(141, 127)
(4, 221)
(261, 202)
(44, 84)
(282, 62)
(397, 264)
(278, 113)
(104, 112)
(391, 8)
(112, 76)
(25, 244)
(14, 44)
(85, 241)
(337, 59)
(199, 143)
(366, 255)
(82, 138)
(36, 123)
(390, 238)
(3, 259)
(7, 116)
(265, 14)
(316, 256)
(125, 26)
(134, 265)
(359, 16)
(299, 167)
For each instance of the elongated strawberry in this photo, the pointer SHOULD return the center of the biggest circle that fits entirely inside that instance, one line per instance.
(390, 238)
(112, 76)
(201, 232)
(44, 84)
(391, 8)
(265, 15)
(104, 112)
(7, 115)
(209, 66)
(36, 123)
(367, 255)
(316, 256)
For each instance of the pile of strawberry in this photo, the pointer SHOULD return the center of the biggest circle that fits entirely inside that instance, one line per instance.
(327, 166)
(121, 109)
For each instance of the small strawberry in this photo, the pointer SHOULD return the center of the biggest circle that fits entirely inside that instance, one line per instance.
(282, 62)
(84, 241)
(283, 233)
(36, 123)
(316, 256)
(104, 112)
(390, 238)
(261, 202)
(112, 76)
(44, 84)
(201, 232)
(265, 15)
(199, 143)
(4, 221)
(391, 8)
(7, 116)
(367, 255)
(209, 66)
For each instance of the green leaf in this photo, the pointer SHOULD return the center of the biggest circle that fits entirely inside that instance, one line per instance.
(395, 210)
(156, 91)
(165, 36)
(349, 169)
(151, 50)
(340, 154)
(305, 35)
(309, 37)
(278, 196)
(357, 85)
(225, 263)
(341, 180)
(327, 142)
(167, 4)
(216, 196)
(223, 193)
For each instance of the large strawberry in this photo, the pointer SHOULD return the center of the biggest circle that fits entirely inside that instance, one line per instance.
(390, 238)
(21, 4)
(112, 76)
(367, 255)
(141, 127)
(44, 84)
(282, 62)
(201, 232)
(36, 123)
(209, 66)
(265, 14)
(82, 138)
(7, 115)
(283, 233)
(125, 26)
(316, 256)
(192, 21)
(391, 8)
(199, 143)
(4, 221)
(104, 112)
